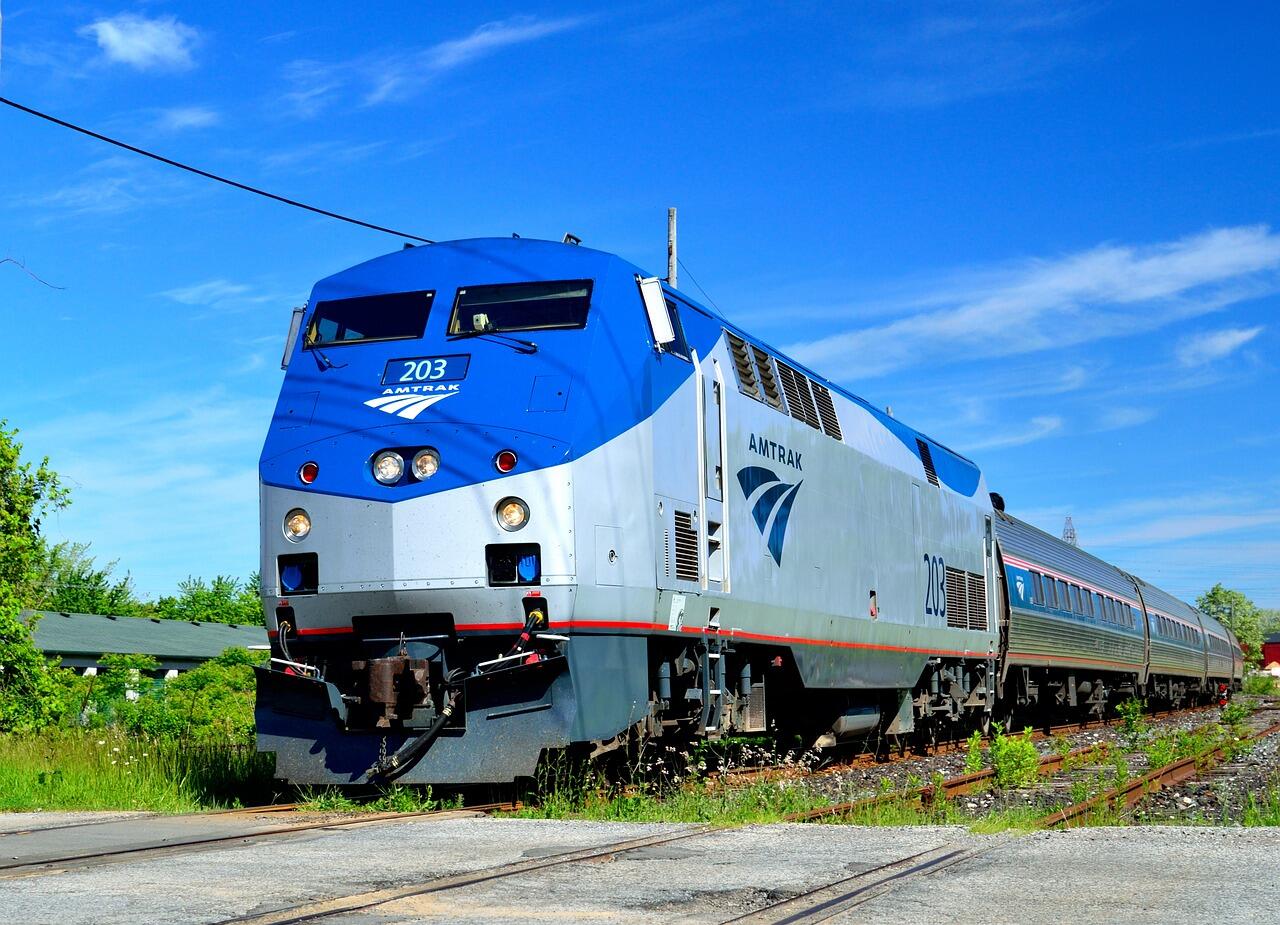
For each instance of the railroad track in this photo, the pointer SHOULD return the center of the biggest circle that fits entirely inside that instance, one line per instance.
(839, 896)
(748, 775)
(17, 867)
(1132, 792)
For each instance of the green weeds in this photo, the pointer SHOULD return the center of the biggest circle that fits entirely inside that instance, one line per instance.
(973, 757)
(1262, 685)
(105, 769)
(1014, 759)
(1134, 730)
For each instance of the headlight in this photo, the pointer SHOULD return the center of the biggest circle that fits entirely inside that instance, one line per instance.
(297, 524)
(388, 467)
(512, 513)
(425, 463)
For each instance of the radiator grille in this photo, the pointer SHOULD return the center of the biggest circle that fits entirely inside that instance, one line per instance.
(768, 381)
(926, 457)
(799, 400)
(966, 600)
(957, 600)
(742, 363)
(826, 411)
(686, 547)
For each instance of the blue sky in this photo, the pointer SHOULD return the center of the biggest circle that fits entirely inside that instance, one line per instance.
(1045, 234)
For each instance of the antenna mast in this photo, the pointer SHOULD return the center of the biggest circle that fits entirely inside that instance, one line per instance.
(1069, 532)
(671, 247)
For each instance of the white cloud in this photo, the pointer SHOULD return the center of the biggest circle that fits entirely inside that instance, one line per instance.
(181, 118)
(145, 44)
(1037, 429)
(1199, 349)
(207, 293)
(1104, 292)
(1121, 418)
(395, 75)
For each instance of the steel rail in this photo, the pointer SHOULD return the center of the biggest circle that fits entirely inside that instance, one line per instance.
(134, 815)
(1134, 791)
(773, 772)
(25, 868)
(927, 794)
(830, 899)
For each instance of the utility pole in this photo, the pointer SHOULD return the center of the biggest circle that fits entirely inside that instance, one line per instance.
(1069, 532)
(671, 247)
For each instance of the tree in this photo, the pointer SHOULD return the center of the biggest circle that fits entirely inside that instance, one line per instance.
(73, 583)
(224, 600)
(1238, 613)
(30, 698)
(1269, 621)
(28, 493)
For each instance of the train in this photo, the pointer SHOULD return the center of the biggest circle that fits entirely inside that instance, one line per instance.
(519, 498)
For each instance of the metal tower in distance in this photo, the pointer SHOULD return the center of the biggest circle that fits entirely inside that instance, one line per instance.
(1069, 532)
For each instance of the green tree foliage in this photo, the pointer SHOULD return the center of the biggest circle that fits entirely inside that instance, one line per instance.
(224, 600)
(74, 583)
(28, 493)
(213, 702)
(1234, 610)
(29, 694)
(1269, 621)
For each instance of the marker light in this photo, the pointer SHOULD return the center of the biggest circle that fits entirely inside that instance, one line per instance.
(297, 524)
(425, 463)
(512, 513)
(505, 461)
(307, 474)
(388, 467)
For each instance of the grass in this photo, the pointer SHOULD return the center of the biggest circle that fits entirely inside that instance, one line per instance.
(756, 803)
(99, 770)
(1261, 685)
(394, 799)
(1262, 809)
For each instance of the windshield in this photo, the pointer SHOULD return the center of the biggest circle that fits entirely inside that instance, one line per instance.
(396, 316)
(521, 307)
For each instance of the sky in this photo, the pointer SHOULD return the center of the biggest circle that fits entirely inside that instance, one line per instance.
(1046, 234)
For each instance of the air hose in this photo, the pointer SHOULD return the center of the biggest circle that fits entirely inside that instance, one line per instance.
(401, 762)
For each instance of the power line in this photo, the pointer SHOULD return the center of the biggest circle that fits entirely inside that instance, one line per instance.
(206, 174)
(704, 292)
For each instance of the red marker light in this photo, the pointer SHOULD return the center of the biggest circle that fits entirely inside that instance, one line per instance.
(505, 461)
(307, 474)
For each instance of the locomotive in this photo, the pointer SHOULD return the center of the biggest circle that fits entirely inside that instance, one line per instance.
(519, 497)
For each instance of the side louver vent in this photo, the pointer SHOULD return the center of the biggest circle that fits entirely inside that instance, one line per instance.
(826, 411)
(770, 392)
(742, 363)
(926, 457)
(686, 547)
(666, 556)
(966, 600)
(799, 399)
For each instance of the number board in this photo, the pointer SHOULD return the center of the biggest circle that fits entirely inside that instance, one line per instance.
(409, 370)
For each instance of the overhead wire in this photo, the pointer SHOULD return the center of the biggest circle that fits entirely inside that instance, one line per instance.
(207, 174)
(706, 295)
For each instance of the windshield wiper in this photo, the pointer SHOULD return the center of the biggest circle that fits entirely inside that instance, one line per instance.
(515, 343)
(322, 359)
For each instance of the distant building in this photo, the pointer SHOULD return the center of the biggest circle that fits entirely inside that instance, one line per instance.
(81, 639)
(1271, 649)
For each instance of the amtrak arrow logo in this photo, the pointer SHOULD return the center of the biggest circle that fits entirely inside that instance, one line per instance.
(771, 500)
(407, 406)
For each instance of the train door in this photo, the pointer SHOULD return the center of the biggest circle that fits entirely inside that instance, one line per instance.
(712, 452)
(917, 523)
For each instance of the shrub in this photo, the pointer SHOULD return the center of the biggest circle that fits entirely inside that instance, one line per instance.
(1133, 723)
(973, 757)
(1014, 759)
(30, 697)
(1260, 684)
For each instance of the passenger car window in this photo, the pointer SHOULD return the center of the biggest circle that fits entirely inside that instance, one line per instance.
(1064, 596)
(1037, 591)
(536, 306)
